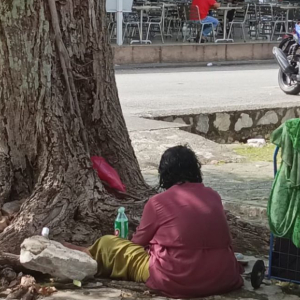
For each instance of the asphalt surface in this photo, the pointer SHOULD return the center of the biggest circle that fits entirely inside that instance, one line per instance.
(163, 91)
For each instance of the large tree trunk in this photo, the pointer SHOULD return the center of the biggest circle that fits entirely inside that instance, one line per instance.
(58, 107)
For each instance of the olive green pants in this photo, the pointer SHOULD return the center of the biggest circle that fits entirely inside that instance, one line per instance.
(120, 259)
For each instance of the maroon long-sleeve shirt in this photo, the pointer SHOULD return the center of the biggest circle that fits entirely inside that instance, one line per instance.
(189, 243)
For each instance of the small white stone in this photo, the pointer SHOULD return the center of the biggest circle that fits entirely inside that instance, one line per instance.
(257, 143)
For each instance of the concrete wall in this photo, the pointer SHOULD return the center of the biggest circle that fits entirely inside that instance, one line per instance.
(179, 53)
(232, 126)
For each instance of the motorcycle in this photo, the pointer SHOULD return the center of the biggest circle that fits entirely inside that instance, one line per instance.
(288, 59)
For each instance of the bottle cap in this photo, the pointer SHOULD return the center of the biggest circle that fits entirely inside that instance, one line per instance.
(45, 232)
(121, 210)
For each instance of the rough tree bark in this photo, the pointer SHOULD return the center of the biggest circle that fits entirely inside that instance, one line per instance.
(59, 106)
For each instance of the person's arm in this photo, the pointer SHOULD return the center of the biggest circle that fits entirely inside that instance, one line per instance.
(148, 225)
(216, 5)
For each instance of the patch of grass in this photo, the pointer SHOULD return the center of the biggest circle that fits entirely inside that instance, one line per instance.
(257, 154)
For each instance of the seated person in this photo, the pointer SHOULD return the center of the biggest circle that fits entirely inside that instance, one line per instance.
(204, 7)
(182, 247)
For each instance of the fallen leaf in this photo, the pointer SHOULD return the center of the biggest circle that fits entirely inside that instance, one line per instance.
(146, 293)
(126, 295)
(47, 291)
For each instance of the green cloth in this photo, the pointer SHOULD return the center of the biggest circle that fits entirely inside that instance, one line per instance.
(284, 203)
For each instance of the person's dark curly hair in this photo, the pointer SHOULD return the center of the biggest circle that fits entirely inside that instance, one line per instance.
(179, 165)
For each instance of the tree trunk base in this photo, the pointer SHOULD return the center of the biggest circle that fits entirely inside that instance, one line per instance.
(248, 237)
(12, 260)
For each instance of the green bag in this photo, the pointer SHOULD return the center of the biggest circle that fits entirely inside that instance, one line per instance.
(284, 202)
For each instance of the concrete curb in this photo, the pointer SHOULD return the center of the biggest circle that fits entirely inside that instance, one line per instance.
(192, 53)
(194, 65)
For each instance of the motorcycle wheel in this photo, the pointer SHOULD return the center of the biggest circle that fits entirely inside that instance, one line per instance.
(286, 44)
(287, 85)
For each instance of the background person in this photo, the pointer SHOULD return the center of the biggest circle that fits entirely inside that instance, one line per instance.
(204, 7)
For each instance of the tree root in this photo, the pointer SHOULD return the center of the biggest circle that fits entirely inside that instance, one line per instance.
(12, 260)
(6, 178)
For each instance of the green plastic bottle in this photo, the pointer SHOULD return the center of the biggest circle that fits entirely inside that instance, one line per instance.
(121, 224)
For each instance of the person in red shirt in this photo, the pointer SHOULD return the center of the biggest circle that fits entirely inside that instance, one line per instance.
(182, 247)
(204, 7)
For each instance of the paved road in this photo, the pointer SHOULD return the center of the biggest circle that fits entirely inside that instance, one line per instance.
(155, 91)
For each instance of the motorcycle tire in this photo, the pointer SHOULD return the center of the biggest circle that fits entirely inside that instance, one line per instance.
(286, 44)
(285, 87)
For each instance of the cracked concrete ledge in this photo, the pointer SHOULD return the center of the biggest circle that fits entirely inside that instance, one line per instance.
(229, 126)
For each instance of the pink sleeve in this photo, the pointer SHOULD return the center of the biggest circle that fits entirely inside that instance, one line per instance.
(148, 226)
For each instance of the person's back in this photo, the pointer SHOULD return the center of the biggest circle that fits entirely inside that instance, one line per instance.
(194, 212)
(190, 252)
(204, 6)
